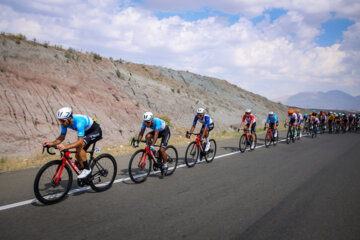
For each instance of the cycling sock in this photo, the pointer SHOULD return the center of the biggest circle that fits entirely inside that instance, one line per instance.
(86, 165)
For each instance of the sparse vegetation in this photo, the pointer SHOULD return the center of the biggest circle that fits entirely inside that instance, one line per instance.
(96, 57)
(166, 119)
(18, 36)
(111, 59)
(1, 70)
(71, 50)
(58, 47)
(68, 55)
(173, 90)
(56, 56)
(46, 44)
(118, 73)
(137, 104)
(2, 160)
(53, 86)
(178, 91)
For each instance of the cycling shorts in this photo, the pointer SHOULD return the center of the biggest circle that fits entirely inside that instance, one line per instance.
(92, 135)
(271, 124)
(211, 127)
(164, 135)
(253, 127)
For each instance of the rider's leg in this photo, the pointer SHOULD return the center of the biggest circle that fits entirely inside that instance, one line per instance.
(163, 154)
(81, 156)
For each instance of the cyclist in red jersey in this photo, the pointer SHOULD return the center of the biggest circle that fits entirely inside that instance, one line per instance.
(250, 124)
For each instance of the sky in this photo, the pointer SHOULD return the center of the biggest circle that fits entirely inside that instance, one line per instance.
(270, 47)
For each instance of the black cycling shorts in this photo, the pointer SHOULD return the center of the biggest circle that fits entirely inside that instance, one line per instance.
(164, 135)
(253, 127)
(92, 135)
(211, 127)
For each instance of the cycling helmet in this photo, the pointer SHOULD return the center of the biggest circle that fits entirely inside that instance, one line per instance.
(297, 111)
(200, 111)
(148, 116)
(290, 111)
(248, 111)
(305, 115)
(313, 117)
(64, 113)
(271, 113)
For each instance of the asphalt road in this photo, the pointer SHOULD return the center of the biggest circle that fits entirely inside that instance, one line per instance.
(306, 190)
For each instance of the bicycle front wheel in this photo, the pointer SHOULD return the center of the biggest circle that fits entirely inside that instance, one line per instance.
(242, 143)
(210, 155)
(267, 139)
(139, 169)
(191, 154)
(172, 159)
(46, 189)
(104, 169)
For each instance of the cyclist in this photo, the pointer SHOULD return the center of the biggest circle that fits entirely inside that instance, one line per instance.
(89, 132)
(351, 120)
(250, 124)
(299, 121)
(207, 126)
(345, 121)
(322, 118)
(291, 120)
(159, 130)
(330, 122)
(314, 113)
(272, 120)
(315, 122)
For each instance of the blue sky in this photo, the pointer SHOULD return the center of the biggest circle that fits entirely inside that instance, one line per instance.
(293, 45)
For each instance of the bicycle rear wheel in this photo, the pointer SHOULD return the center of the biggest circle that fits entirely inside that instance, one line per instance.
(210, 155)
(242, 143)
(288, 137)
(267, 139)
(191, 154)
(138, 169)
(45, 188)
(104, 169)
(172, 159)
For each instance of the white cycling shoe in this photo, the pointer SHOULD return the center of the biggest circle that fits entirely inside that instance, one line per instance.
(84, 173)
(207, 147)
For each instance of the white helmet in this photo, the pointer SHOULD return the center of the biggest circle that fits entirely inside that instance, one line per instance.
(248, 111)
(148, 116)
(271, 113)
(64, 113)
(200, 111)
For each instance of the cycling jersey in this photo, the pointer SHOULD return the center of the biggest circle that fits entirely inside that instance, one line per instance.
(207, 121)
(272, 120)
(315, 121)
(81, 123)
(299, 118)
(331, 118)
(158, 124)
(292, 118)
(250, 119)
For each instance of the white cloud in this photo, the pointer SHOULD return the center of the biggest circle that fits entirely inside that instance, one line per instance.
(257, 57)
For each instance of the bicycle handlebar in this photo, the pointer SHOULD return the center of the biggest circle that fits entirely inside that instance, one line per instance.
(48, 150)
(148, 143)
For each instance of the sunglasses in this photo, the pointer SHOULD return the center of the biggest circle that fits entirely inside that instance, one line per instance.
(61, 121)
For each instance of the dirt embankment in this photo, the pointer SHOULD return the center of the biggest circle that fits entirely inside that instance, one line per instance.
(36, 80)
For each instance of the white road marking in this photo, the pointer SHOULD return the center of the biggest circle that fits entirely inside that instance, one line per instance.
(18, 204)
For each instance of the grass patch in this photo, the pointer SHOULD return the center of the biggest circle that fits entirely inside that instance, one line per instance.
(53, 87)
(166, 119)
(118, 73)
(178, 91)
(96, 57)
(173, 90)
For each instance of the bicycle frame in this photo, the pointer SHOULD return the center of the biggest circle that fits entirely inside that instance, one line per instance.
(147, 151)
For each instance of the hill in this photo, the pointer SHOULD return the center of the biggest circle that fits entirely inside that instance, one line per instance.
(38, 79)
(323, 100)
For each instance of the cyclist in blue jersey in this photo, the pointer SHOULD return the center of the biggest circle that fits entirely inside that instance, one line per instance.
(207, 126)
(299, 121)
(160, 130)
(272, 120)
(89, 132)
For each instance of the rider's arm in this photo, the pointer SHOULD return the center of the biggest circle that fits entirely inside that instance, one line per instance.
(59, 140)
(194, 124)
(75, 144)
(192, 129)
(242, 123)
(251, 121)
(141, 134)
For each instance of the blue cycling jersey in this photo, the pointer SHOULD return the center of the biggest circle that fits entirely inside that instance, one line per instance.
(273, 120)
(158, 124)
(81, 123)
(205, 121)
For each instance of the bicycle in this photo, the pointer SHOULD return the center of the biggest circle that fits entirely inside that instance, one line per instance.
(305, 129)
(141, 162)
(246, 140)
(322, 128)
(290, 136)
(269, 137)
(52, 183)
(314, 131)
(195, 151)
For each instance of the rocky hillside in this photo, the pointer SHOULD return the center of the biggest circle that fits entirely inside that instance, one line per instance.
(36, 80)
